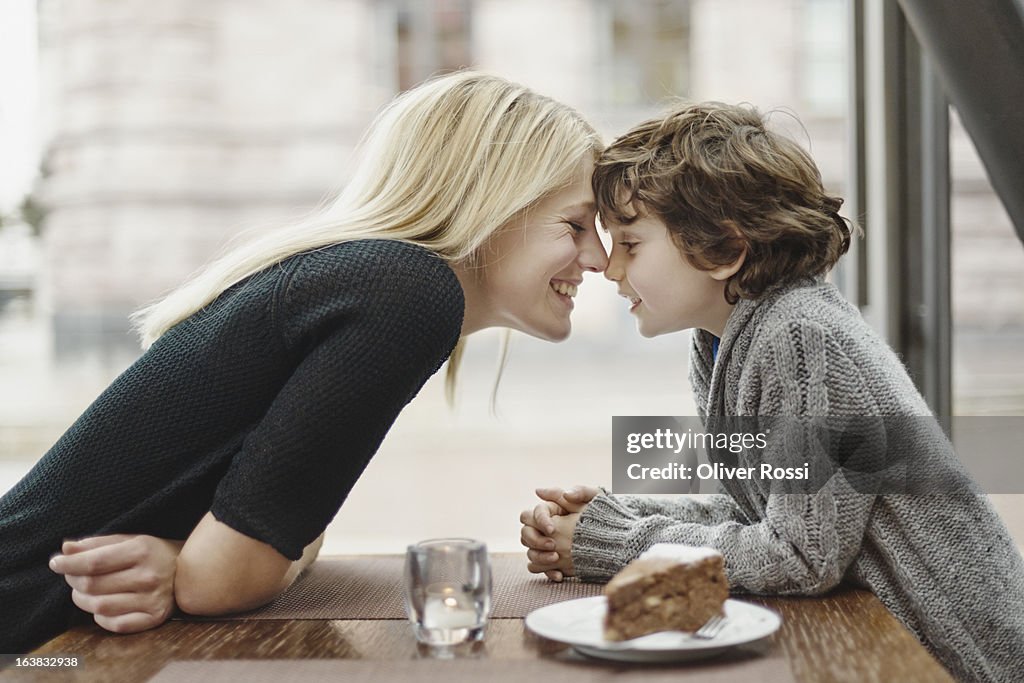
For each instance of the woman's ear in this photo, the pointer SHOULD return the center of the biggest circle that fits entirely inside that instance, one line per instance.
(726, 271)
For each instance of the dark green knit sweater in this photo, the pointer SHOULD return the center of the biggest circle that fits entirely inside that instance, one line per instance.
(264, 407)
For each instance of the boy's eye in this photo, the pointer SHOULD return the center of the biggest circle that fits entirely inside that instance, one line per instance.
(629, 246)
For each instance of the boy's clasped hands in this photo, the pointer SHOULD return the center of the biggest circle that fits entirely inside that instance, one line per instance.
(548, 529)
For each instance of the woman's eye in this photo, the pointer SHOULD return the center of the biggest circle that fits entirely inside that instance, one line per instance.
(576, 227)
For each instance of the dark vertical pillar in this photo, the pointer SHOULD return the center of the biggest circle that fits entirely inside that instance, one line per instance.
(902, 179)
(977, 48)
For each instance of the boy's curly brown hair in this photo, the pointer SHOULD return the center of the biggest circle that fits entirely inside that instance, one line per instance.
(721, 182)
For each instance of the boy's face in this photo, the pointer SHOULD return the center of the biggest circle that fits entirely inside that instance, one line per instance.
(666, 293)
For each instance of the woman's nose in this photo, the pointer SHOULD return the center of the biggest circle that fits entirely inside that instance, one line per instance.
(592, 256)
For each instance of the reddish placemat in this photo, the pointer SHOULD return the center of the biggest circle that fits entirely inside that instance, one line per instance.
(370, 587)
(548, 670)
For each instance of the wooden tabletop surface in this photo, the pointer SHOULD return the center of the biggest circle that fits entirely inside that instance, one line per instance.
(847, 635)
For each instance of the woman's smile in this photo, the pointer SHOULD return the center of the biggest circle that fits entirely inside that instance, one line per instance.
(565, 291)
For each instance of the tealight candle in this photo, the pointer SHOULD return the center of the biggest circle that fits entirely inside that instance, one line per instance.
(447, 591)
(448, 608)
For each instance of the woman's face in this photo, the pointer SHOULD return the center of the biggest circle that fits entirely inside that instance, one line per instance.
(533, 266)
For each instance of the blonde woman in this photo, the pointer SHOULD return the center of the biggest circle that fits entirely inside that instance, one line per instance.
(204, 476)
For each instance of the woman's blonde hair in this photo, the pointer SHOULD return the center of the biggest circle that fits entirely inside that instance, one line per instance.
(443, 166)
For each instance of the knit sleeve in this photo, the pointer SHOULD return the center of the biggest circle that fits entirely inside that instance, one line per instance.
(805, 541)
(705, 509)
(368, 337)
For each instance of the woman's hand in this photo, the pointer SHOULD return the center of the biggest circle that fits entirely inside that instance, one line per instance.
(548, 529)
(126, 581)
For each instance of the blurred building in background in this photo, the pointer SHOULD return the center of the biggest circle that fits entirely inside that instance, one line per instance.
(173, 126)
(170, 127)
(176, 125)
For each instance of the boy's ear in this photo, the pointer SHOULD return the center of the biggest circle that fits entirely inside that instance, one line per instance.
(726, 271)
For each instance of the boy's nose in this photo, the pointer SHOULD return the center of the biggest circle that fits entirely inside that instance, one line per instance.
(613, 269)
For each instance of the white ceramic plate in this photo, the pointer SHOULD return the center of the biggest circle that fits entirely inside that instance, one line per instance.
(580, 623)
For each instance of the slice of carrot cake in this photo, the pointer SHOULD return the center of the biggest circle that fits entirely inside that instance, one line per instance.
(668, 588)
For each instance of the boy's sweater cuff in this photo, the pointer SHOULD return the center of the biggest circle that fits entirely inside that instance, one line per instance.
(604, 539)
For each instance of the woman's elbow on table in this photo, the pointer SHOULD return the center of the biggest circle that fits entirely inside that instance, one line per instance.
(202, 594)
(221, 571)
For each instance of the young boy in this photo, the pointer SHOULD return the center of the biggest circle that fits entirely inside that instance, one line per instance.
(722, 226)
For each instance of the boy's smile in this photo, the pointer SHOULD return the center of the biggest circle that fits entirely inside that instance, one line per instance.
(666, 292)
(633, 299)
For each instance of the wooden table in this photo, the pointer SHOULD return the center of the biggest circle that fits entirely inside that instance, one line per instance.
(845, 636)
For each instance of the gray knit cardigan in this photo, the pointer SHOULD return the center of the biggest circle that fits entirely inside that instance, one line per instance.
(944, 565)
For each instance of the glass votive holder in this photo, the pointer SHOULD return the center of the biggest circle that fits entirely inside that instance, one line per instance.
(448, 590)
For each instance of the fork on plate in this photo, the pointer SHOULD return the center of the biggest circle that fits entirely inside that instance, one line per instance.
(711, 628)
